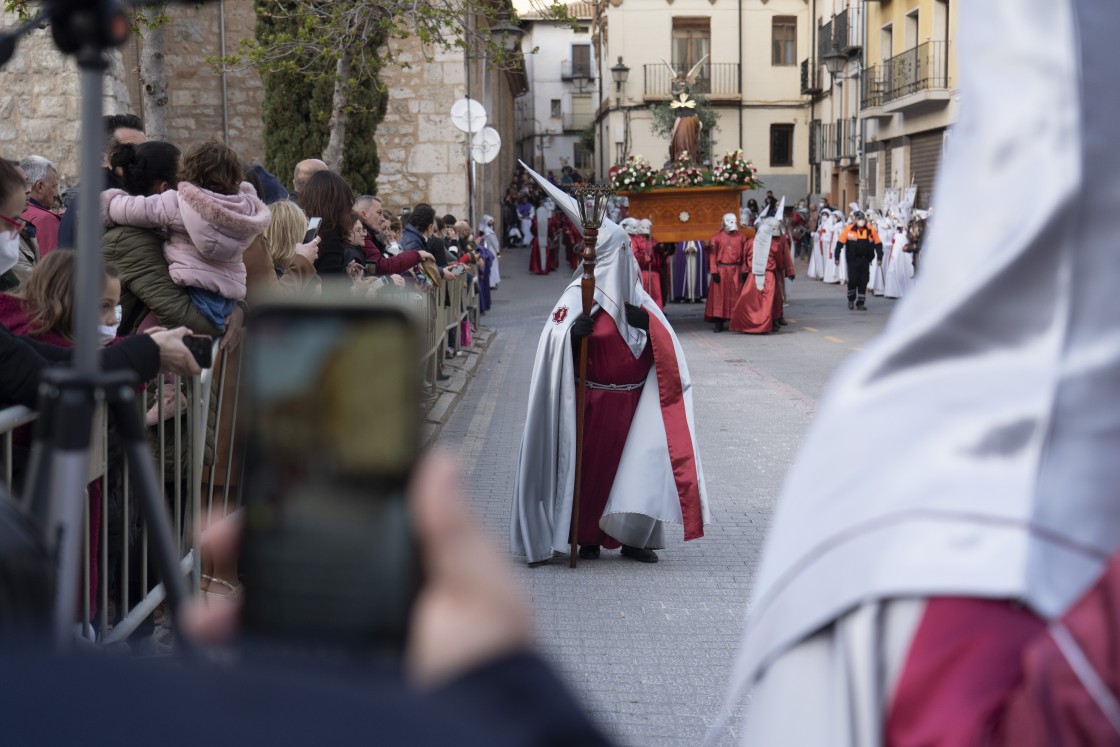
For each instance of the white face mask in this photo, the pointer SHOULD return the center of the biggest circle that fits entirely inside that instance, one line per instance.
(9, 250)
(729, 224)
(106, 335)
(861, 223)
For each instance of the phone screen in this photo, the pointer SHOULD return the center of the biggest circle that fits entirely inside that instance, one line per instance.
(312, 230)
(332, 430)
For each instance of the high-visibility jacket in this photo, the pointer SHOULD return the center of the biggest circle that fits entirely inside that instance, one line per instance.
(860, 243)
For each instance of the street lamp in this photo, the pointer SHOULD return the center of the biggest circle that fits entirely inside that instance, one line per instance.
(505, 34)
(619, 74)
(835, 62)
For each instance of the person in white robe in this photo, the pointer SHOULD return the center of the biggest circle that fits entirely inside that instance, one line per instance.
(900, 271)
(995, 384)
(655, 473)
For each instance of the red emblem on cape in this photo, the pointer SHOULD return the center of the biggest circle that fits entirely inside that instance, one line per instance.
(560, 315)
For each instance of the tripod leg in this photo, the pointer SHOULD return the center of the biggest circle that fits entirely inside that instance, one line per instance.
(56, 487)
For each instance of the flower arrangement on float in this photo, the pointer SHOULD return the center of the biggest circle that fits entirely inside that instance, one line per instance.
(639, 175)
(636, 175)
(735, 170)
(682, 173)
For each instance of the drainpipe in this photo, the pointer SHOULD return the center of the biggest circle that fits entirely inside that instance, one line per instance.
(741, 75)
(225, 82)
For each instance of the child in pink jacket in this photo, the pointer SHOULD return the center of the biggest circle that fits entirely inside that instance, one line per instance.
(211, 219)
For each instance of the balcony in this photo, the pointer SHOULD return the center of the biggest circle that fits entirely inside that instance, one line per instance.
(811, 78)
(914, 80)
(814, 142)
(718, 80)
(846, 28)
(837, 141)
(578, 121)
(825, 41)
(578, 70)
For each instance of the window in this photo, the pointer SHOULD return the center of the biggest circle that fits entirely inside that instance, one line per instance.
(556, 110)
(784, 51)
(581, 60)
(912, 30)
(692, 40)
(886, 43)
(781, 145)
(582, 158)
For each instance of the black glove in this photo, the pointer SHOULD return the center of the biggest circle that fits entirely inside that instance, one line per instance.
(743, 277)
(582, 327)
(637, 317)
(715, 278)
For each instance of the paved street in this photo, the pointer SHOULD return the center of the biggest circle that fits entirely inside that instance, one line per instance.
(648, 648)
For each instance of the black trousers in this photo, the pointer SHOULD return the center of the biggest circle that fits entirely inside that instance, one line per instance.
(859, 275)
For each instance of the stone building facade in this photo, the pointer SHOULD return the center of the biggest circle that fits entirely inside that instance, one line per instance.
(40, 103)
(423, 158)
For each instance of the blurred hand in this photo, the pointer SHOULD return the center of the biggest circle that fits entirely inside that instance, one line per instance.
(173, 354)
(716, 278)
(397, 280)
(309, 251)
(235, 324)
(355, 270)
(470, 610)
(425, 256)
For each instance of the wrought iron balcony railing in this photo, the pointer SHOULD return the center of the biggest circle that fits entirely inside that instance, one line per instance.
(717, 80)
(923, 68)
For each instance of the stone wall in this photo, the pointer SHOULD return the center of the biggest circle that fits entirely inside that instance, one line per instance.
(40, 105)
(423, 157)
(197, 110)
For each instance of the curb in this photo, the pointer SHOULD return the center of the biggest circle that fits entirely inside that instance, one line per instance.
(461, 369)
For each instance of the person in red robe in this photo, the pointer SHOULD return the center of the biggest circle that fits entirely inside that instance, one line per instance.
(729, 269)
(566, 238)
(664, 252)
(642, 247)
(761, 301)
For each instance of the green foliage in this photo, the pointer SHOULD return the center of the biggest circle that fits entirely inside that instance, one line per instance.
(297, 108)
(587, 137)
(664, 116)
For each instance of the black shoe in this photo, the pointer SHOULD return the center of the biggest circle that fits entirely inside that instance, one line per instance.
(719, 326)
(443, 377)
(588, 552)
(861, 306)
(851, 305)
(781, 322)
(640, 554)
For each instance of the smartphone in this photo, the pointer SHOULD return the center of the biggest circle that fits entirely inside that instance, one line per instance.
(331, 426)
(202, 348)
(312, 230)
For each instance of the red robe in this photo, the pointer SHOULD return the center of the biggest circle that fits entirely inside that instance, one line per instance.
(756, 310)
(606, 422)
(561, 230)
(648, 262)
(535, 259)
(987, 672)
(727, 260)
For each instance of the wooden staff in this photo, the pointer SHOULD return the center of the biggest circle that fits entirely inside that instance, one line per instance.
(587, 287)
(592, 208)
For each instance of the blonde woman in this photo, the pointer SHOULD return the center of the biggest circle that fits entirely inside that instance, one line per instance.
(293, 261)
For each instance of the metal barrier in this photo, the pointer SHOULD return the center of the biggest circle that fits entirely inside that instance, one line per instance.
(198, 459)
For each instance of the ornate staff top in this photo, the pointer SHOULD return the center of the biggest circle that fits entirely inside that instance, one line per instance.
(591, 200)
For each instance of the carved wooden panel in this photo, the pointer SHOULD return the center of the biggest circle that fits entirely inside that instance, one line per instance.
(687, 214)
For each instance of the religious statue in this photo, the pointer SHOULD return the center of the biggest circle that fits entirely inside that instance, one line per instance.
(685, 135)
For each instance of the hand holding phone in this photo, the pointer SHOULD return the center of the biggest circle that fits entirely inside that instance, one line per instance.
(312, 230)
(202, 348)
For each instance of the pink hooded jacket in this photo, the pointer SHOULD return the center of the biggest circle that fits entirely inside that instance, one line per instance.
(207, 232)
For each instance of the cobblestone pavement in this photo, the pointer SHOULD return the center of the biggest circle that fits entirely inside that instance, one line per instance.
(648, 648)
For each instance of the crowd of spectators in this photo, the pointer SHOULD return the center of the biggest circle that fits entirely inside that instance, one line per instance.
(192, 236)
